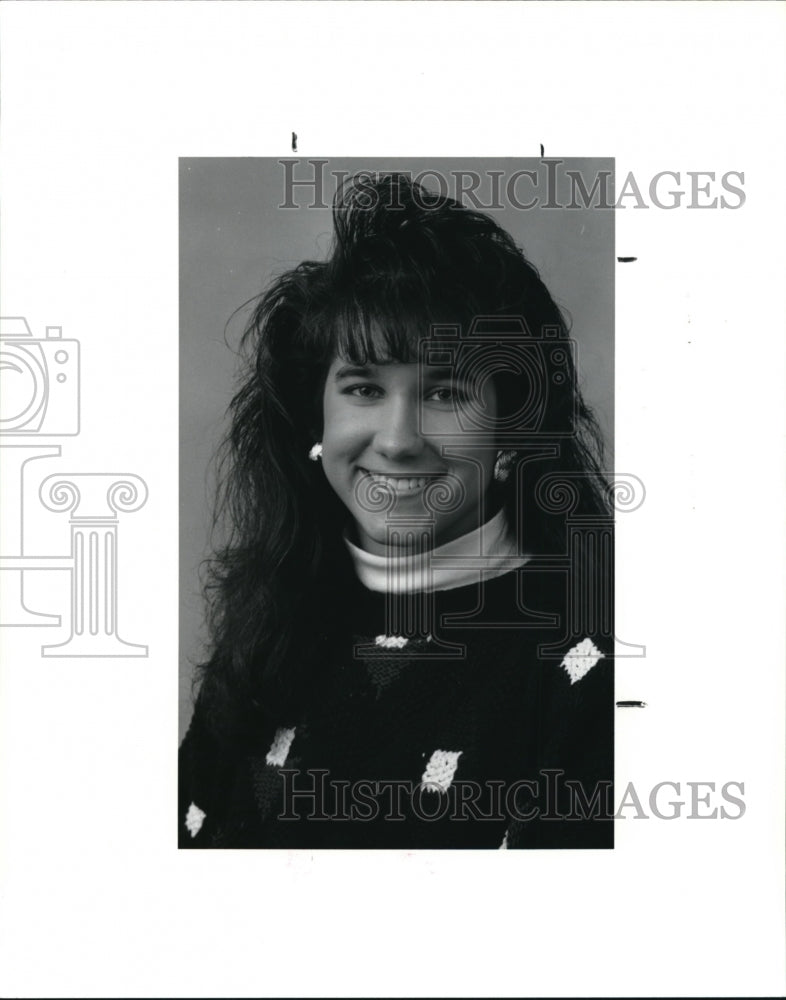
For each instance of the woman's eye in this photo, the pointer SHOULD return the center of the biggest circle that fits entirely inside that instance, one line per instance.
(363, 391)
(444, 394)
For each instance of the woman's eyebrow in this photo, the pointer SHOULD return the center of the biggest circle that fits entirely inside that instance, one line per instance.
(445, 374)
(354, 371)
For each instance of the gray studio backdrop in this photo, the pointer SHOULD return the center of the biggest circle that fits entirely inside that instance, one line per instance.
(234, 237)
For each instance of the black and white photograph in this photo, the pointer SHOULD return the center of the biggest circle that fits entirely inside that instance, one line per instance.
(391, 498)
(411, 614)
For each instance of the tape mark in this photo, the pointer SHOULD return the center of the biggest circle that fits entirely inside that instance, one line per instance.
(631, 704)
(542, 151)
(626, 260)
(294, 142)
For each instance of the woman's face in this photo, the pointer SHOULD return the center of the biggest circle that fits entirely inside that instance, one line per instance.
(387, 451)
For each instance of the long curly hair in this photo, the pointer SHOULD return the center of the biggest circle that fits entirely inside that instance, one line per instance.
(402, 260)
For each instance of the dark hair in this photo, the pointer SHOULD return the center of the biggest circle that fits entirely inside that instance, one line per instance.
(402, 259)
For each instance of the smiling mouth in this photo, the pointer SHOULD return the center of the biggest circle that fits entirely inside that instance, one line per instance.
(400, 485)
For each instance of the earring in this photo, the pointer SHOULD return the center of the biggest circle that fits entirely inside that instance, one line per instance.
(316, 452)
(503, 464)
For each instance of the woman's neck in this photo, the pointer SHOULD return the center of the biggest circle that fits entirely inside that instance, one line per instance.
(482, 554)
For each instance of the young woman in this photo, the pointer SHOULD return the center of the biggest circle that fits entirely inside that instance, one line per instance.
(411, 618)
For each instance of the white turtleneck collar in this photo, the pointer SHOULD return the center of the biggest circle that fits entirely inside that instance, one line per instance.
(484, 553)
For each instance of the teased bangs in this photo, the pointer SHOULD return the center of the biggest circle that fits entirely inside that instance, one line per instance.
(375, 325)
(364, 336)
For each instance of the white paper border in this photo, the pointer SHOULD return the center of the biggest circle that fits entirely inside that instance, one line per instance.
(99, 100)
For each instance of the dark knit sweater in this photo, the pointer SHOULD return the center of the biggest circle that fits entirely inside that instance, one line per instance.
(496, 730)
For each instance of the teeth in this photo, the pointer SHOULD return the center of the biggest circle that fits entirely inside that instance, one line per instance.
(400, 484)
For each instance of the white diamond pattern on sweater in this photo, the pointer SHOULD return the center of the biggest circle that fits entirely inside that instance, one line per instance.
(581, 659)
(440, 770)
(279, 748)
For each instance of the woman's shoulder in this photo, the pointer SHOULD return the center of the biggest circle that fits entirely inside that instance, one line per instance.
(532, 606)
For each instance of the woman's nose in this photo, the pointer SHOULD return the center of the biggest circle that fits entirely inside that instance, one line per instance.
(398, 434)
